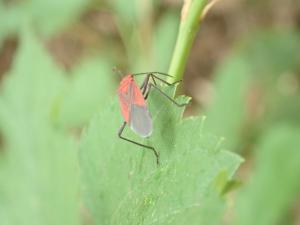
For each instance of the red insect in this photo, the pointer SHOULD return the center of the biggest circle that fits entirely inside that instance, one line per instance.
(134, 108)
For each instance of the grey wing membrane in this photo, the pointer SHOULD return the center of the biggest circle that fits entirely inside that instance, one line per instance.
(140, 120)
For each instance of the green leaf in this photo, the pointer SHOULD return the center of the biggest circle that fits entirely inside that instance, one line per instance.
(256, 63)
(164, 40)
(90, 89)
(228, 109)
(47, 16)
(123, 185)
(275, 184)
(128, 13)
(271, 53)
(38, 175)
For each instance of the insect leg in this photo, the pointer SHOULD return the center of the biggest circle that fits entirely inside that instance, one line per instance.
(144, 86)
(164, 74)
(165, 95)
(153, 80)
(136, 143)
(165, 82)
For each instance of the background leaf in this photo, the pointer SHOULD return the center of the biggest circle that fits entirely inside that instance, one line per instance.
(40, 14)
(251, 78)
(37, 157)
(89, 89)
(164, 40)
(275, 183)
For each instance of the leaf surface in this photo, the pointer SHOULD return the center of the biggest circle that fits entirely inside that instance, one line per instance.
(123, 185)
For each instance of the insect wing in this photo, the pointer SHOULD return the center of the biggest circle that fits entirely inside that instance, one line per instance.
(140, 120)
(125, 105)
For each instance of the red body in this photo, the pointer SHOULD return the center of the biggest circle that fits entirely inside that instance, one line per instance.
(129, 93)
(134, 108)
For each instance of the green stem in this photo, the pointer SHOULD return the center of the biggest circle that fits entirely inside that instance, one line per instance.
(187, 31)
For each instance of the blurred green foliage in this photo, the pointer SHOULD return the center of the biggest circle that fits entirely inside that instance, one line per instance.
(267, 63)
(52, 174)
(86, 92)
(48, 16)
(38, 174)
(275, 184)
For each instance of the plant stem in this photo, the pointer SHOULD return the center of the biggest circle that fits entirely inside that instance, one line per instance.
(190, 20)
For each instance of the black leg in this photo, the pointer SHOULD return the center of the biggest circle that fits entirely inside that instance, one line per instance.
(164, 74)
(165, 95)
(144, 86)
(139, 144)
(165, 82)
